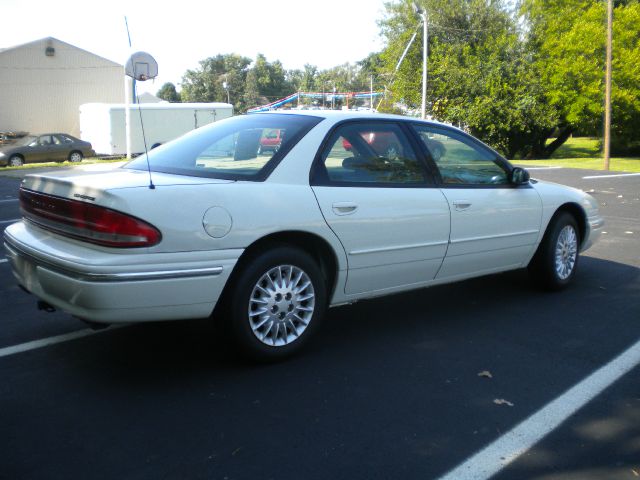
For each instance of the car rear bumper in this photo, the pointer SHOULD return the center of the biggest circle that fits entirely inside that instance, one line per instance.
(113, 286)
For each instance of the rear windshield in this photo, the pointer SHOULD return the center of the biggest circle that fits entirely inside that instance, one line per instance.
(239, 148)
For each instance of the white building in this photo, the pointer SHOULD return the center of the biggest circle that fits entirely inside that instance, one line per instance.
(147, 97)
(43, 84)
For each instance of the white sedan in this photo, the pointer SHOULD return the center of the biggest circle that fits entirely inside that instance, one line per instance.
(351, 206)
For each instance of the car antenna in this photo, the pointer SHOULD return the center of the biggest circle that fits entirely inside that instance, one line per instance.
(141, 66)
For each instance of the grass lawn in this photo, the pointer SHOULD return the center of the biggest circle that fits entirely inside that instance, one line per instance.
(578, 147)
(584, 152)
(615, 164)
(85, 161)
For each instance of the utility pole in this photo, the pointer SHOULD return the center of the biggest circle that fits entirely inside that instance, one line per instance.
(607, 90)
(371, 97)
(225, 85)
(129, 85)
(425, 54)
(128, 88)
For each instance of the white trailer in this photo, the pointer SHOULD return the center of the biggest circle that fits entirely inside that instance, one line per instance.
(103, 124)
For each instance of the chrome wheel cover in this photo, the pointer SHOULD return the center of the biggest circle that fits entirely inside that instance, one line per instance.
(76, 157)
(281, 305)
(566, 252)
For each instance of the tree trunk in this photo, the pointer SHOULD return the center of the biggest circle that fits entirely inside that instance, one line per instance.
(565, 133)
(537, 145)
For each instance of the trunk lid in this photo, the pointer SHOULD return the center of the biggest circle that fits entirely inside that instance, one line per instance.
(92, 186)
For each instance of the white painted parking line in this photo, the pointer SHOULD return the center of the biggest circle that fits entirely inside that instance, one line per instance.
(511, 445)
(10, 221)
(45, 342)
(9, 200)
(3, 260)
(612, 176)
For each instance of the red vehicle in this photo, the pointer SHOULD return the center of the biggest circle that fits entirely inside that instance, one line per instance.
(383, 143)
(386, 144)
(271, 141)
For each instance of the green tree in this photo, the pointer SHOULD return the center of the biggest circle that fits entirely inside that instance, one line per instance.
(345, 78)
(270, 79)
(480, 74)
(205, 84)
(169, 93)
(294, 78)
(568, 38)
(252, 90)
(309, 77)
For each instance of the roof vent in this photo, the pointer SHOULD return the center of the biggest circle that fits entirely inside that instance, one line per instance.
(49, 51)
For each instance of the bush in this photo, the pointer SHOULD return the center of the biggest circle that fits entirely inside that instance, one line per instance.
(624, 148)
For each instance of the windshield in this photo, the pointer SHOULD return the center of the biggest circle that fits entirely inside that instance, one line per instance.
(238, 148)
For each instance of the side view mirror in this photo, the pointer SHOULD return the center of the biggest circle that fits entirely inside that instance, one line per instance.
(519, 176)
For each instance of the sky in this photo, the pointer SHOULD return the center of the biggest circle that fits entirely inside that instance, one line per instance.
(180, 34)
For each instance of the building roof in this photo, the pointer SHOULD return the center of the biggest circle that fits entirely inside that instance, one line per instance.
(53, 39)
(147, 97)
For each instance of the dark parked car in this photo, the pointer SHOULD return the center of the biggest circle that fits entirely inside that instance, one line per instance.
(45, 148)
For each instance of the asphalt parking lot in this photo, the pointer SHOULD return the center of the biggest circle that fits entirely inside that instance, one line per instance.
(480, 378)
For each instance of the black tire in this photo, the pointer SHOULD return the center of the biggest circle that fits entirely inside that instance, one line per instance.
(75, 156)
(15, 161)
(244, 295)
(551, 267)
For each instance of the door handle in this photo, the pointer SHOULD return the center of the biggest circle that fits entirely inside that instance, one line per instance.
(344, 208)
(461, 204)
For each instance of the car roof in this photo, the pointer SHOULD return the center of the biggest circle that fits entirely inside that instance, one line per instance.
(51, 133)
(339, 115)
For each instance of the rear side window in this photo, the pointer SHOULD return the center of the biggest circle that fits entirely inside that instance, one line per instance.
(369, 154)
(63, 139)
(238, 148)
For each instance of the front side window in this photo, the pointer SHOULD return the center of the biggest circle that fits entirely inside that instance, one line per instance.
(369, 153)
(231, 149)
(42, 141)
(459, 160)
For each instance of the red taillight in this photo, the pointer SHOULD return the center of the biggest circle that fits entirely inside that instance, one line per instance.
(88, 222)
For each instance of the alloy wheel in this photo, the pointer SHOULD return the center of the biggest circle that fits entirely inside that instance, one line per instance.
(281, 305)
(566, 252)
